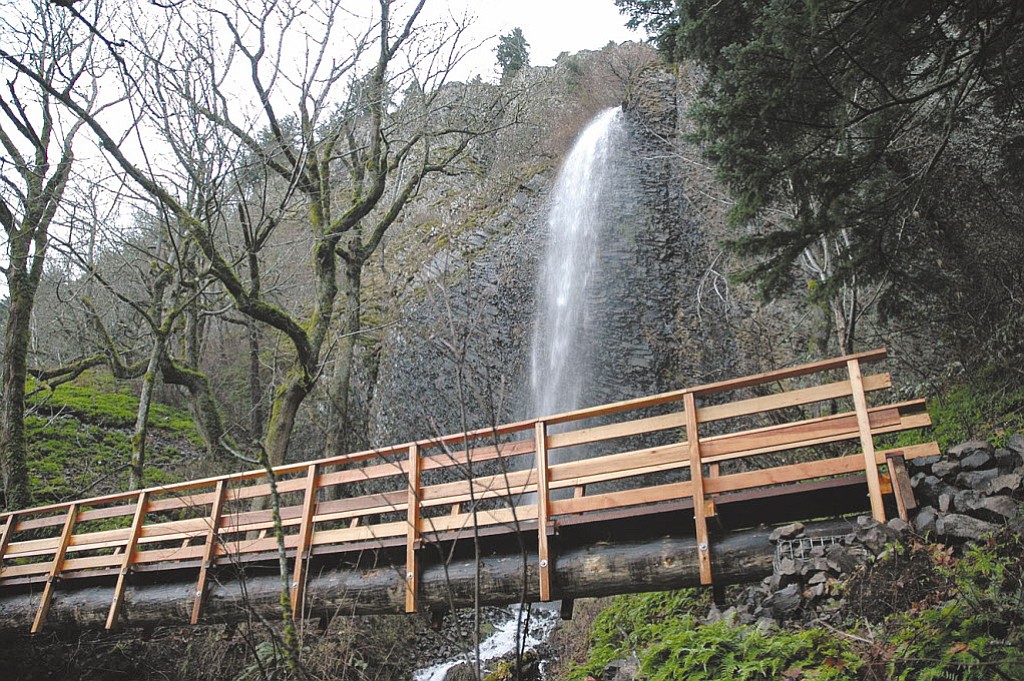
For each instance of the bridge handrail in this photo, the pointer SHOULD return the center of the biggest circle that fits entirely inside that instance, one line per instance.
(226, 530)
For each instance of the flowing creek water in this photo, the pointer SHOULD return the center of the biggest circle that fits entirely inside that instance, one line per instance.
(562, 345)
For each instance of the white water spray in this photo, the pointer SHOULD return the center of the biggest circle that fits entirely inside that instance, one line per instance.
(560, 354)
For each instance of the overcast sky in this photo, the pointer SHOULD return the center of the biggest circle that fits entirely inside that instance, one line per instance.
(550, 26)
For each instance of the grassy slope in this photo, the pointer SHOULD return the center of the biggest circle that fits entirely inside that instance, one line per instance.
(80, 439)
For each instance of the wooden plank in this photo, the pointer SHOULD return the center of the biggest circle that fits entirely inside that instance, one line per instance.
(175, 530)
(902, 489)
(32, 547)
(615, 430)
(55, 567)
(500, 485)
(790, 398)
(867, 442)
(543, 511)
(302, 545)
(714, 471)
(794, 432)
(5, 537)
(90, 563)
(697, 489)
(502, 516)
(6, 533)
(25, 524)
(122, 511)
(747, 407)
(126, 560)
(413, 531)
(209, 549)
(712, 388)
(617, 466)
(177, 553)
(504, 450)
(351, 534)
(808, 470)
(602, 502)
(903, 423)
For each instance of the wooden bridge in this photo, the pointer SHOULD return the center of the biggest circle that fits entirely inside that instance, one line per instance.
(645, 494)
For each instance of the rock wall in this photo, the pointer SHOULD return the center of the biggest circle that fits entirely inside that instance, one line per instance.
(972, 490)
(461, 351)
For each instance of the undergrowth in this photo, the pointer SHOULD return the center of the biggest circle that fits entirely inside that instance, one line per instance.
(989, 406)
(662, 633)
(976, 634)
(956, 617)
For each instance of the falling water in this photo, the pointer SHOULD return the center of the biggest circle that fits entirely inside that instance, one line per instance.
(560, 346)
(560, 351)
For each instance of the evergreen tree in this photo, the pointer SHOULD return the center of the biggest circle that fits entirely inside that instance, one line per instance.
(880, 127)
(513, 53)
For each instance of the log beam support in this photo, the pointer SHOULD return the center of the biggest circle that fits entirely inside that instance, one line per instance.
(581, 572)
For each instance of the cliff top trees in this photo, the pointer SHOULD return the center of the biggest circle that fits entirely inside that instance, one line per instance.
(848, 121)
(513, 53)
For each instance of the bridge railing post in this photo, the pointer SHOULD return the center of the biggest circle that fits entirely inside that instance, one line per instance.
(413, 532)
(129, 554)
(210, 548)
(543, 509)
(302, 550)
(867, 443)
(55, 567)
(697, 489)
(5, 536)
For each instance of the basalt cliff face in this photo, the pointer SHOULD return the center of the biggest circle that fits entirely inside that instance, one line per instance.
(459, 354)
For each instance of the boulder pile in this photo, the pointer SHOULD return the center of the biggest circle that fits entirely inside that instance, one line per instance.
(972, 490)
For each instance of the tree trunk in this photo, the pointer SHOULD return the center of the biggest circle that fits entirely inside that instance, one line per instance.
(282, 418)
(255, 384)
(13, 447)
(202, 404)
(339, 437)
(142, 415)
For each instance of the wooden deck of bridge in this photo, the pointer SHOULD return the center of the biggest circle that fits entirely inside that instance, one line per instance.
(796, 443)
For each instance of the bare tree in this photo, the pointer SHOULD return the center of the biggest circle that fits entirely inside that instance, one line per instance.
(345, 116)
(54, 59)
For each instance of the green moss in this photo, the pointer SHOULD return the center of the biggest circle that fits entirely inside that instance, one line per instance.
(96, 398)
(663, 633)
(83, 443)
(989, 407)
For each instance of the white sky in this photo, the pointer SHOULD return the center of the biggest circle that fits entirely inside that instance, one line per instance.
(550, 26)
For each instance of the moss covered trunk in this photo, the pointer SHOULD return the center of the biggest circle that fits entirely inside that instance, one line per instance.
(339, 436)
(282, 418)
(142, 415)
(13, 448)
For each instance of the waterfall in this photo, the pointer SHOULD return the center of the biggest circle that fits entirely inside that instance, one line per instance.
(562, 343)
(561, 354)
